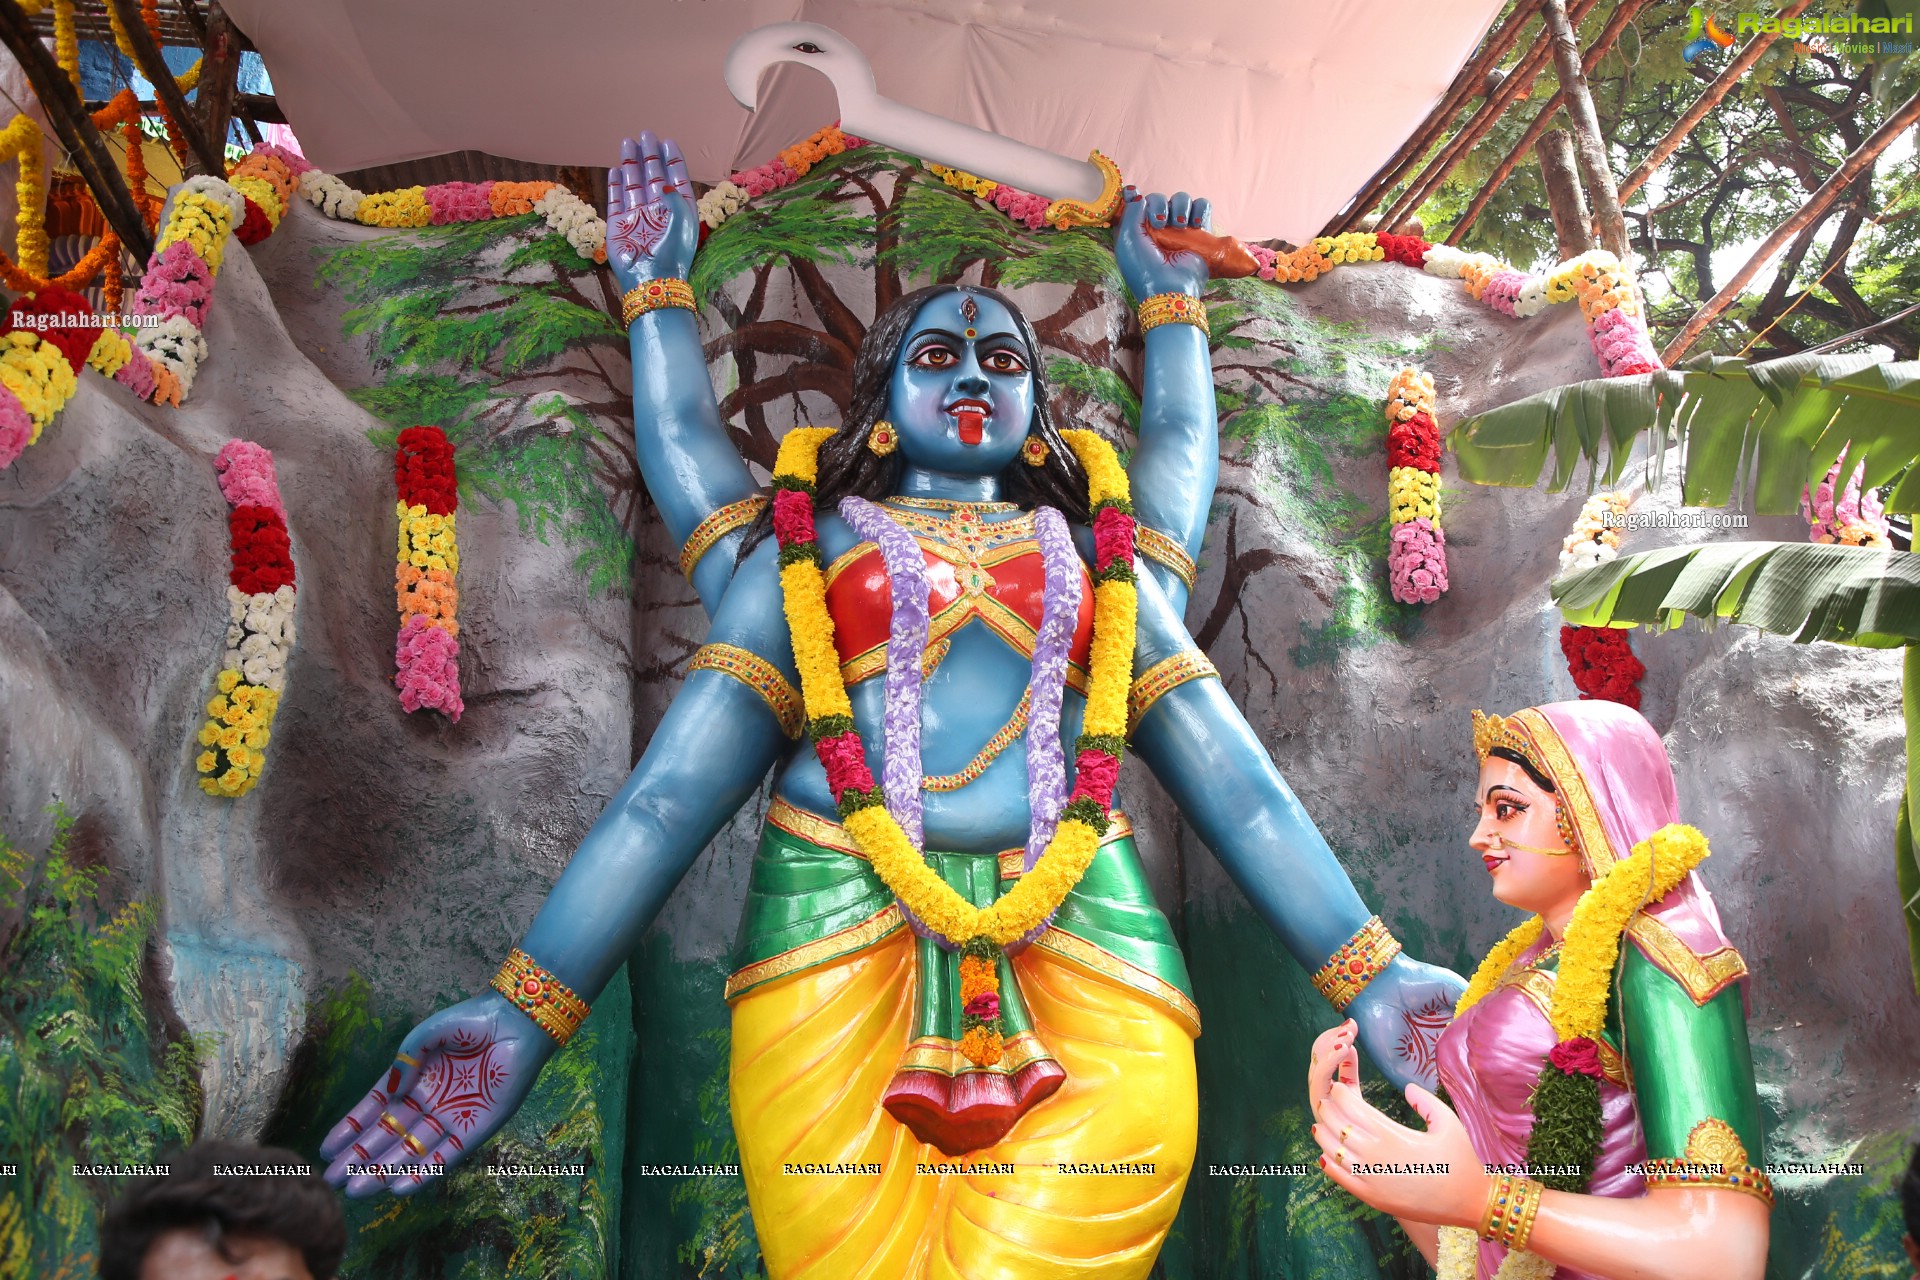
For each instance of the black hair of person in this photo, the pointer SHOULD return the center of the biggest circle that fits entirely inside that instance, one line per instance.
(196, 1194)
(847, 466)
(1540, 779)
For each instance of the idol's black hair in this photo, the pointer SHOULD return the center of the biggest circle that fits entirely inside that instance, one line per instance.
(847, 466)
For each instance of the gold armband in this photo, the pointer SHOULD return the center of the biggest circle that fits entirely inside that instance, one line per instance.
(652, 295)
(1173, 308)
(717, 525)
(1164, 548)
(759, 675)
(1512, 1205)
(1153, 683)
(1714, 1157)
(537, 993)
(1358, 961)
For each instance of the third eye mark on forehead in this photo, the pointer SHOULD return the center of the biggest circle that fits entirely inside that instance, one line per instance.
(995, 340)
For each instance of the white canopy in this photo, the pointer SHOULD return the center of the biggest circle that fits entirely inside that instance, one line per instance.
(1276, 110)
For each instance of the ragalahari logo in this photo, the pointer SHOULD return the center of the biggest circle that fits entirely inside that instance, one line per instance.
(1704, 34)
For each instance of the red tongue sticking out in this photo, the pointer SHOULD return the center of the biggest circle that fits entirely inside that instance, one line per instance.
(973, 426)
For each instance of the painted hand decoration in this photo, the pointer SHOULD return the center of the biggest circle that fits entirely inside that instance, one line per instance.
(455, 1080)
(652, 226)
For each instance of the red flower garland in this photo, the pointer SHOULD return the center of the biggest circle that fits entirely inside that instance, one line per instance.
(75, 342)
(1414, 443)
(1602, 664)
(423, 470)
(262, 556)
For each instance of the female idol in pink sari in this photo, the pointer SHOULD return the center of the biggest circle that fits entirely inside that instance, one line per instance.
(1600, 1120)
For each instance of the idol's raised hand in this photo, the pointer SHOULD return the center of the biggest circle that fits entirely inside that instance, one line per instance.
(1149, 266)
(652, 224)
(455, 1080)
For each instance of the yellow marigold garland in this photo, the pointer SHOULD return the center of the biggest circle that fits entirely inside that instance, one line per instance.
(979, 932)
(36, 372)
(404, 207)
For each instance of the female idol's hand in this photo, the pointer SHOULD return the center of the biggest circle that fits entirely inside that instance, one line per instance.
(457, 1078)
(653, 227)
(1147, 268)
(1434, 1176)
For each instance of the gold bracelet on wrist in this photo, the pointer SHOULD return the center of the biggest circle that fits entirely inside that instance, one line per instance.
(537, 993)
(1358, 961)
(1174, 308)
(1512, 1205)
(652, 295)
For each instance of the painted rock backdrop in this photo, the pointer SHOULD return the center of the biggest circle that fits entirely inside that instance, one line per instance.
(177, 963)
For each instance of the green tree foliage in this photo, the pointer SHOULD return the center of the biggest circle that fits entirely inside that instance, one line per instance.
(86, 1077)
(1741, 172)
(466, 324)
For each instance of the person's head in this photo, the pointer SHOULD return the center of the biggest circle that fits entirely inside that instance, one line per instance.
(956, 372)
(1520, 838)
(1910, 1209)
(225, 1211)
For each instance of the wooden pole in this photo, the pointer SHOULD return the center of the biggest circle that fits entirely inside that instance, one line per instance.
(1471, 80)
(75, 129)
(1517, 85)
(1707, 101)
(1430, 181)
(1622, 15)
(219, 78)
(1589, 148)
(1572, 223)
(203, 157)
(1505, 171)
(1817, 204)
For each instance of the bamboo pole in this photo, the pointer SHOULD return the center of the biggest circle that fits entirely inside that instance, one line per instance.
(1589, 148)
(1622, 15)
(1470, 80)
(76, 130)
(1518, 85)
(219, 78)
(1816, 206)
(203, 157)
(1707, 101)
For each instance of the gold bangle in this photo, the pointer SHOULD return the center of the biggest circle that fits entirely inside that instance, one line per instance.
(718, 524)
(1357, 961)
(1164, 548)
(652, 295)
(535, 992)
(1512, 1205)
(1161, 678)
(759, 675)
(1173, 308)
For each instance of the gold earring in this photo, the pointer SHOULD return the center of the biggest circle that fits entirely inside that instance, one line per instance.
(882, 439)
(1565, 824)
(1034, 451)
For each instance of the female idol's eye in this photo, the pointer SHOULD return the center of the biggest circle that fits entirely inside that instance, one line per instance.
(1504, 809)
(934, 357)
(1005, 362)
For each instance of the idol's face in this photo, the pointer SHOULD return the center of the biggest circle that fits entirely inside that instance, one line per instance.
(1520, 843)
(962, 390)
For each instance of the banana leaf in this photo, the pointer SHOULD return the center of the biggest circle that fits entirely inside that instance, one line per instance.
(1757, 433)
(1809, 591)
(1906, 862)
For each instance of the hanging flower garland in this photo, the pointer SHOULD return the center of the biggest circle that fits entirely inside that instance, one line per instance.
(260, 635)
(1845, 514)
(1600, 659)
(427, 652)
(1417, 552)
(980, 934)
(1566, 1097)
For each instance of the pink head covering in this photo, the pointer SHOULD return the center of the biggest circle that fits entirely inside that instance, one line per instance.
(1612, 772)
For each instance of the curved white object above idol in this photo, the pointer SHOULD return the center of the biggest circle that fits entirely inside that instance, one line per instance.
(864, 113)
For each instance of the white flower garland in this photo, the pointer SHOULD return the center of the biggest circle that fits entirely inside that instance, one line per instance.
(260, 635)
(1595, 539)
(176, 343)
